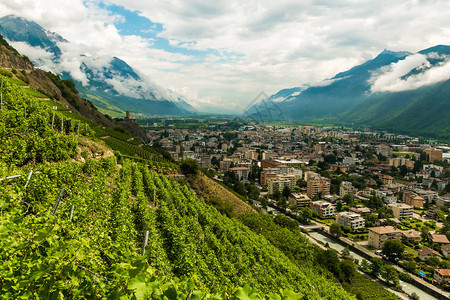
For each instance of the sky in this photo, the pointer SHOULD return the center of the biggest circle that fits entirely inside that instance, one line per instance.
(221, 54)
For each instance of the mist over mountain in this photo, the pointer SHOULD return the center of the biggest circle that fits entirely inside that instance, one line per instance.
(109, 82)
(399, 91)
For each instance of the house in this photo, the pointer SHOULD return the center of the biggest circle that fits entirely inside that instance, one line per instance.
(359, 209)
(439, 239)
(426, 253)
(412, 235)
(379, 235)
(442, 275)
(323, 208)
(445, 250)
(349, 219)
(387, 180)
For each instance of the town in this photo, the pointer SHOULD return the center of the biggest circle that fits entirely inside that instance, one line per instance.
(379, 190)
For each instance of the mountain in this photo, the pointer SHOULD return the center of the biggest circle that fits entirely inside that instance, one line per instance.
(398, 91)
(108, 82)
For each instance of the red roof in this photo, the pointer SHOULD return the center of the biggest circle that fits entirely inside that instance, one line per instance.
(443, 272)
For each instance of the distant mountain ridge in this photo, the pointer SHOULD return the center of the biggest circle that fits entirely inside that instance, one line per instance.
(371, 94)
(109, 82)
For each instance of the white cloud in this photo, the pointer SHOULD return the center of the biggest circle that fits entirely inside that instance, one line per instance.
(390, 78)
(281, 43)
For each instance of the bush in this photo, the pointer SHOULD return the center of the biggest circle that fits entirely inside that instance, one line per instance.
(405, 277)
(189, 167)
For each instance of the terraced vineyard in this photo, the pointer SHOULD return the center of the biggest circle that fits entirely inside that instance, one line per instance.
(103, 230)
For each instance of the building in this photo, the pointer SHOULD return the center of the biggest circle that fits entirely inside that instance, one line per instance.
(401, 210)
(267, 163)
(241, 172)
(426, 253)
(445, 250)
(401, 161)
(384, 150)
(443, 201)
(362, 210)
(346, 188)
(318, 185)
(412, 235)
(266, 175)
(442, 275)
(387, 196)
(299, 199)
(323, 208)
(434, 154)
(439, 239)
(277, 184)
(349, 219)
(427, 195)
(225, 165)
(379, 235)
(413, 199)
(387, 180)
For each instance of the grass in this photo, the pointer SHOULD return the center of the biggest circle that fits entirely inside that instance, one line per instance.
(32, 92)
(405, 153)
(208, 188)
(411, 251)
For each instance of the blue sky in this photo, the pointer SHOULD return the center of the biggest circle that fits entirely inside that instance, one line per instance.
(220, 54)
(130, 22)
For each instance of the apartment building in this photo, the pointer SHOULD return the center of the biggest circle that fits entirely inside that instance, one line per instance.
(346, 188)
(318, 185)
(434, 154)
(241, 172)
(349, 219)
(413, 199)
(299, 199)
(323, 208)
(379, 235)
(401, 210)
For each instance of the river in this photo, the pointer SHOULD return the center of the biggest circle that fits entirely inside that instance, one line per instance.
(407, 287)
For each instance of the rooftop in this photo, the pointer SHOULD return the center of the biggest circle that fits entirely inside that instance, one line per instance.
(443, 272)
(440, 239)
(384, 229)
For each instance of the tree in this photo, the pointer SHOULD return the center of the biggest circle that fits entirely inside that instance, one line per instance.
(376, 265)
(264, 202)
(348, 198)
(347, 270)
(189, 166)
(339, 206)
(424, 233)
(336, 229)
(276, 195)
(345, 252)
(390, 275)
(306, 214)
(286, 192)
(393, 249)
(365, 266)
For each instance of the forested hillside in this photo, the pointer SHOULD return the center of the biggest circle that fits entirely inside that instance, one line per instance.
(78, 230)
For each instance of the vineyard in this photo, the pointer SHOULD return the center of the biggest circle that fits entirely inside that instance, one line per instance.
(101, 229)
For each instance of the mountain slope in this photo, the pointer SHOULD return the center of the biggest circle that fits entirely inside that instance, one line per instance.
(423, 111)
(76, 230)
(109, 82)
(396, 91)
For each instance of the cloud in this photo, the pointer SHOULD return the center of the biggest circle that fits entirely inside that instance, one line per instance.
(392, 78)
(277, 43)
